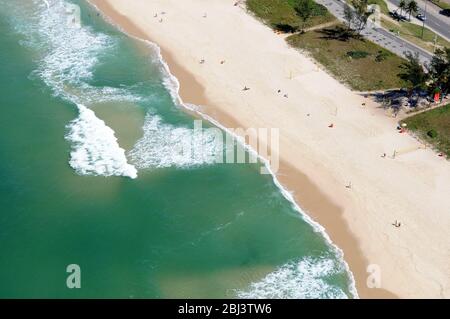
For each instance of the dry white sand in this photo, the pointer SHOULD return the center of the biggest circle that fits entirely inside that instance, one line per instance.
(413, 188)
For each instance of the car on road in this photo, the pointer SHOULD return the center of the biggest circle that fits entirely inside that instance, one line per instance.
(397, 16)
(445, 12)
(421, 17)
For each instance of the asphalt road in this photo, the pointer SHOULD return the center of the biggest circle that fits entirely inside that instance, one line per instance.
(435, 20)
(380, 36)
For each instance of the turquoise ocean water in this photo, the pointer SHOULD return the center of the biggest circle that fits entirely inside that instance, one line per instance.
(93, 172)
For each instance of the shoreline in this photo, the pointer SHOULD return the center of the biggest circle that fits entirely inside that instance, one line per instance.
(308, 194)
(314, 202)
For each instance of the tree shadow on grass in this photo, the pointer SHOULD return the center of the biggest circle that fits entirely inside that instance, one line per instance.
(339, 33)
(285, 28)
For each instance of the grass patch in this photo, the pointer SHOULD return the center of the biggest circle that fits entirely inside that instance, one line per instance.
(413, 33)
(441, 4)
(281, 15)
(375, 68)
(433, 126)
(383, 5)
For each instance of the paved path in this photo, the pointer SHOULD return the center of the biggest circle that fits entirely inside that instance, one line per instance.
(380, 36)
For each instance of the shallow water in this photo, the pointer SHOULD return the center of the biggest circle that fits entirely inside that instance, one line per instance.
(94, 172)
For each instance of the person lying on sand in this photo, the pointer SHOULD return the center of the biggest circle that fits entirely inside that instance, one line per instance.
(246, 88)
(396, 224)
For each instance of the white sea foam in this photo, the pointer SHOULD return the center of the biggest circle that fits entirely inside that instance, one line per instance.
(67, 56)
(173, 86)
(305, 279)
(164, 145)
(155, 161)
(70, 57)
(95, 150)
(287, 194)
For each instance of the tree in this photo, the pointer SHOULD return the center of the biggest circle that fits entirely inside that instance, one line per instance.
(439, 70)
(349, 15)
(411, 7)
(361, 14)
(305, 10)
(402, 6)
(413, 72)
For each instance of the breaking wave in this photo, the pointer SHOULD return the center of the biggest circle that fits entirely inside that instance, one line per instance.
(67, 55)
(164, 145)
(95, 150)
(305, 279)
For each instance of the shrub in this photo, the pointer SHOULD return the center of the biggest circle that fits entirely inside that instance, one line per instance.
(432, 133)
(319, 10)
(357, 54)
(381, 56)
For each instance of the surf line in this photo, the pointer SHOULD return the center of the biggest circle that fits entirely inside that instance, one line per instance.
(174, 91)
(47, 3)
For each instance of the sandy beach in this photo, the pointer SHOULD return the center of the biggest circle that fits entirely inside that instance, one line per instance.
(317, 161)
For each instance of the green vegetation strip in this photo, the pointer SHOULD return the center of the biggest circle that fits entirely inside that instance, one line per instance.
(413, 33)
(362, 64)
(441, 4)
(433, 126)
(281, 14)
(383, 5)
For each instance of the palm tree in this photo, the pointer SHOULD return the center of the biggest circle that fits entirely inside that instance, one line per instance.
(412, 7)
(402, 6)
